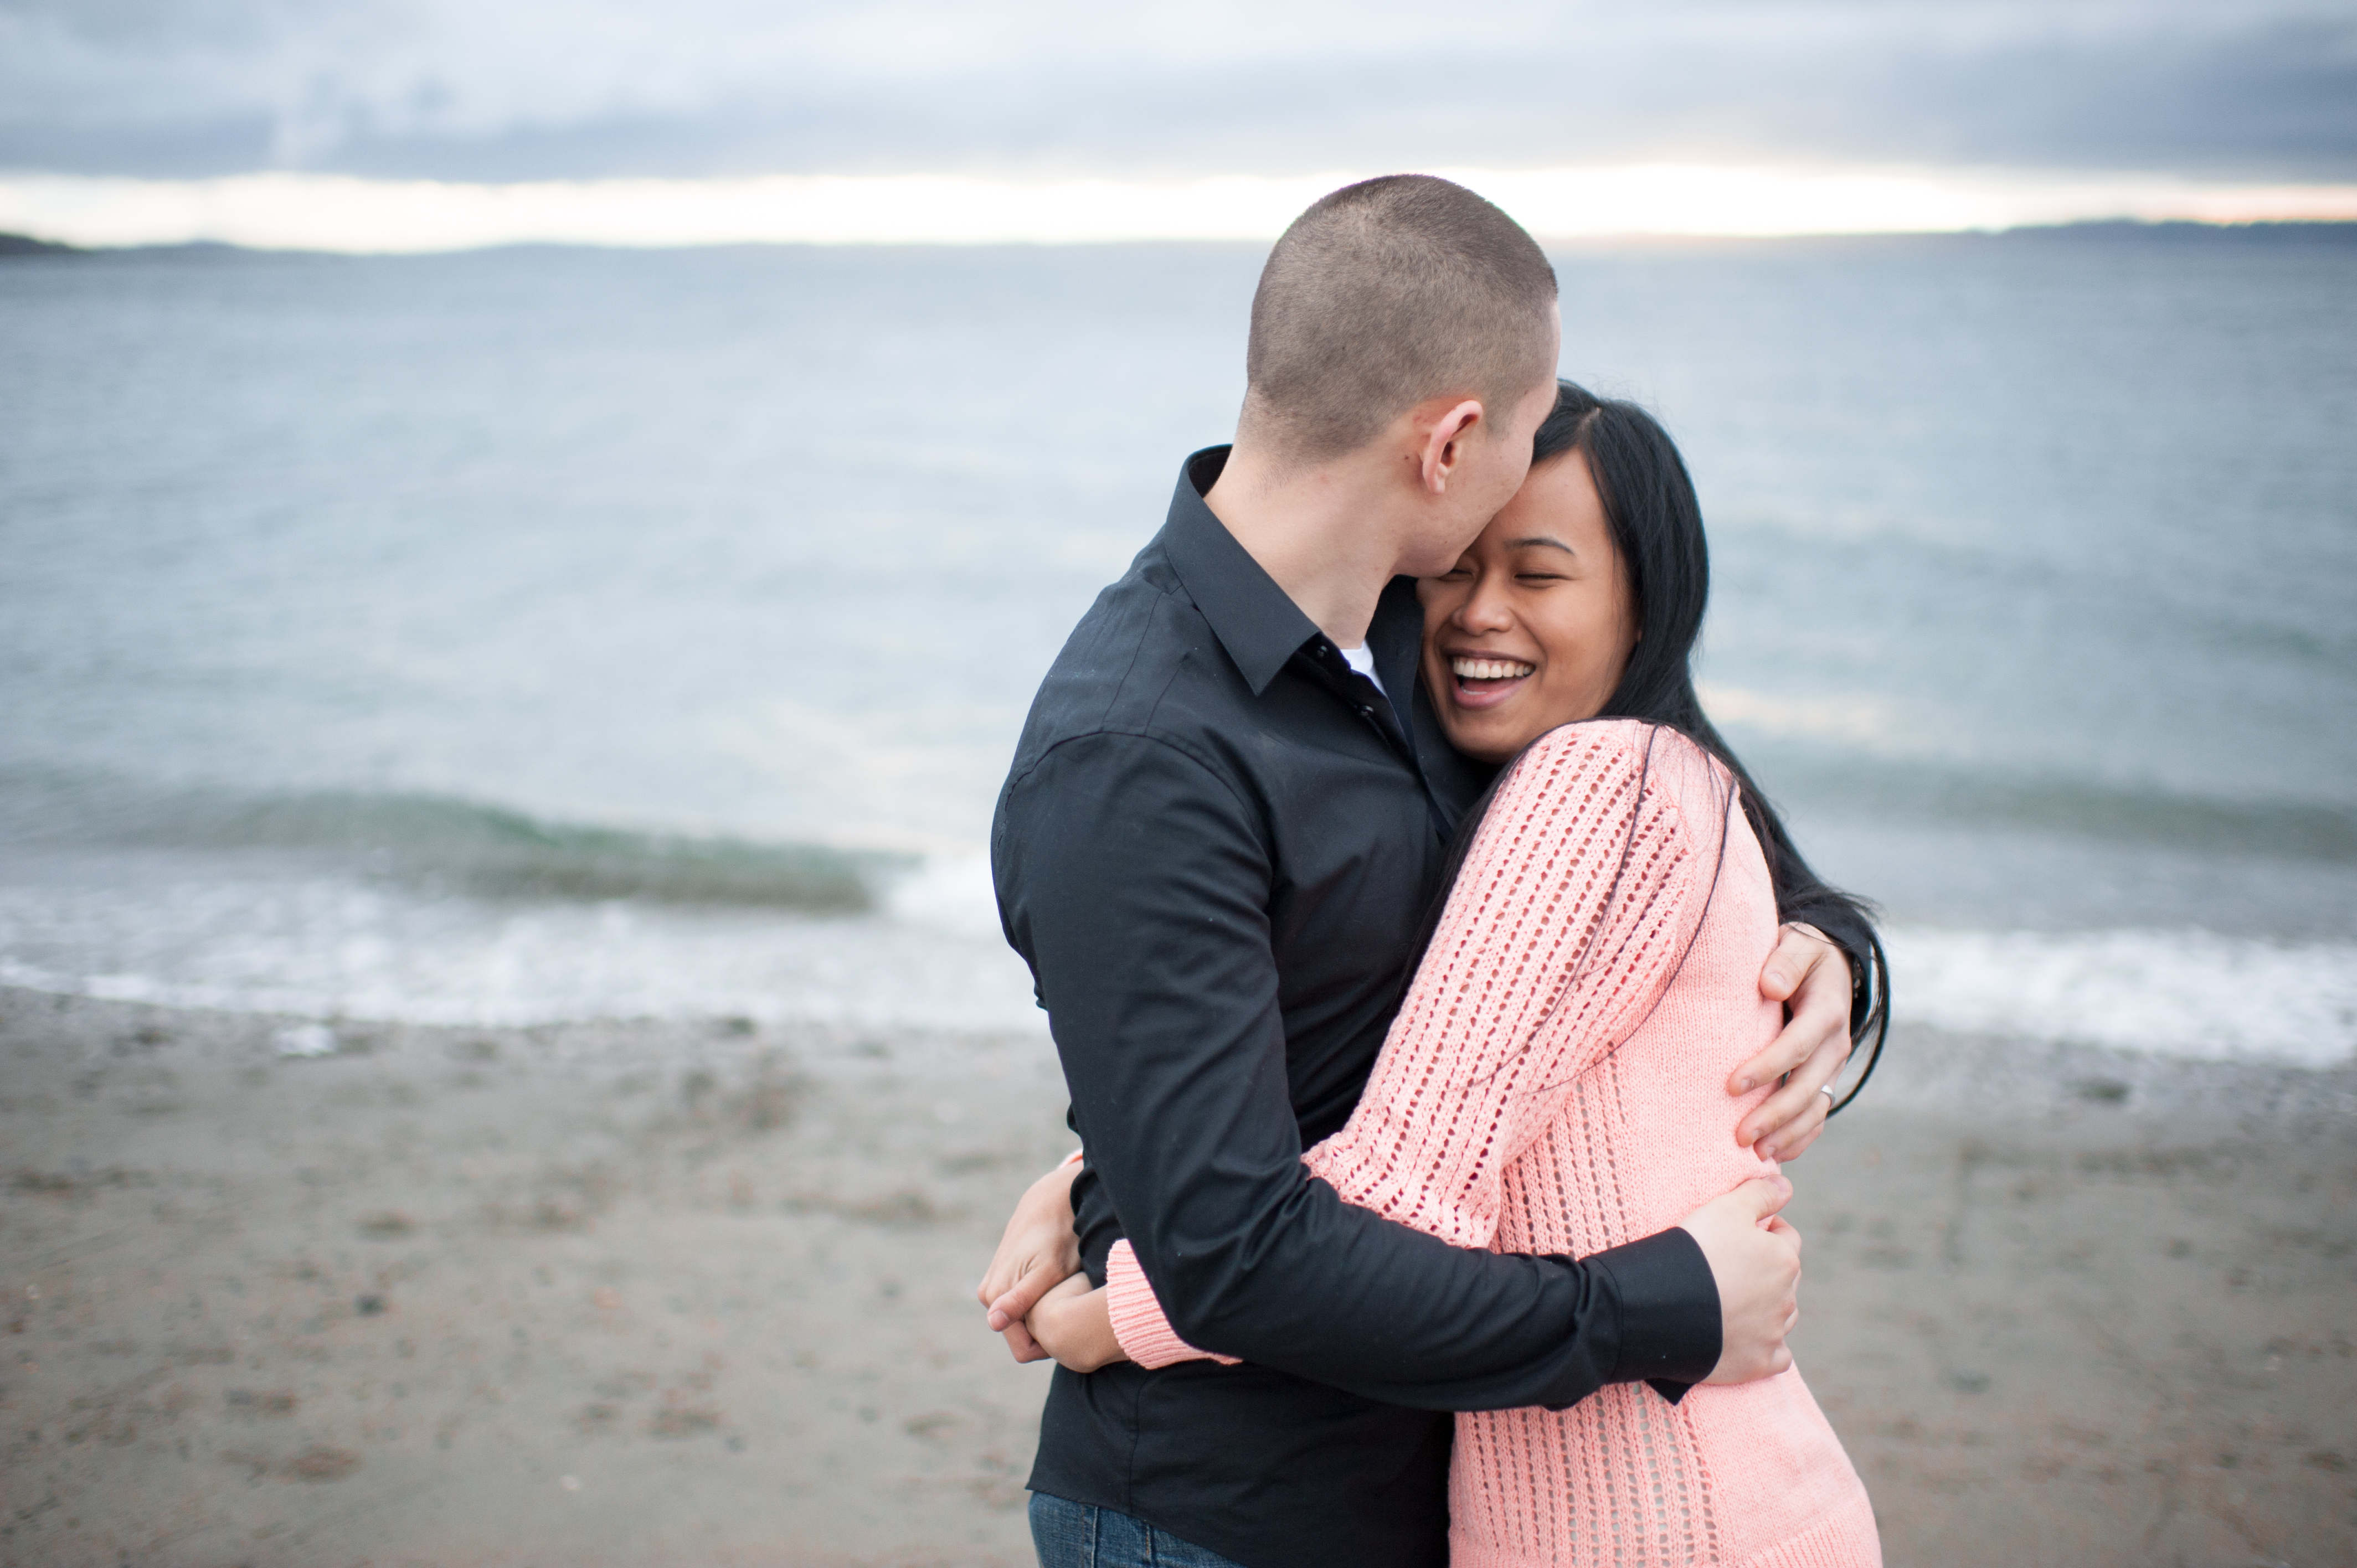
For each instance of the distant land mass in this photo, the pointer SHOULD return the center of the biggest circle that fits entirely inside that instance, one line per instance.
(26, 245)
(2330, 231)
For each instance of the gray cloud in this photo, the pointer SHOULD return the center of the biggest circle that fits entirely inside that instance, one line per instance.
(532, 89)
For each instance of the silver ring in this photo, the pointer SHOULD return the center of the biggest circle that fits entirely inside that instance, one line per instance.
(1828, 1090)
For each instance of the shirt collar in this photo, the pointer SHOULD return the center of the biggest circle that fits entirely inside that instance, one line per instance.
(1397, 636)
(1257, 622)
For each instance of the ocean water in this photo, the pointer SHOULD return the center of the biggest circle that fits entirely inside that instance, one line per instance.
(552, 633)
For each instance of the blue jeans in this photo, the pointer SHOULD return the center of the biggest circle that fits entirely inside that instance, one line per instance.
(1077, 1535)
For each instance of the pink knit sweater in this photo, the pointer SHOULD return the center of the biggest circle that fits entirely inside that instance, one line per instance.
(1555, 1082)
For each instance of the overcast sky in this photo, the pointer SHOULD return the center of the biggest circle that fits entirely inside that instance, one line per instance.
(507, 89)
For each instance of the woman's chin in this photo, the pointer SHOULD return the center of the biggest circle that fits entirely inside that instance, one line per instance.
(1484, 734)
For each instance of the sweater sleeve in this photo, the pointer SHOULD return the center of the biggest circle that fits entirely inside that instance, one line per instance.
(1582, 891)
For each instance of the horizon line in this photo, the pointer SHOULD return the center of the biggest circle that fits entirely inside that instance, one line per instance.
(352, 215)
(38, 245)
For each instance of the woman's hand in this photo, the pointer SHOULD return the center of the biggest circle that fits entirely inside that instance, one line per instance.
(1811, 977)
(1038, 1251)
(1074, 1324)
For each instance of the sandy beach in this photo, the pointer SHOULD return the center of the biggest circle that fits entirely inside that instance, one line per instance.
(683, 1294)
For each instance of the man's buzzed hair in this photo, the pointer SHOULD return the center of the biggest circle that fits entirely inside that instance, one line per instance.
(1383, 295)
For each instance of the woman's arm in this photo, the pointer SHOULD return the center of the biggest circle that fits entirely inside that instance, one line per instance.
(1072, 1324)
(1582, 892)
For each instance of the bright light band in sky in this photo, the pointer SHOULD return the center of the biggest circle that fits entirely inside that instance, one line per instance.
(334, 212)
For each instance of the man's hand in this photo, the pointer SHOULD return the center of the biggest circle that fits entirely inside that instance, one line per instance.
(1038, 1252)
(1074, 1324)
(1811, 977)
(1755, 1258)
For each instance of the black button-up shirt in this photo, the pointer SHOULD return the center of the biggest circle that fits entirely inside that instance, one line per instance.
(1215, 850)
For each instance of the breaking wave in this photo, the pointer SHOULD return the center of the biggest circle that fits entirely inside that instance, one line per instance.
(440, 844)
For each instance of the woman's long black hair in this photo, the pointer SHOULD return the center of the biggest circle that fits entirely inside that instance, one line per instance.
(1656, 522)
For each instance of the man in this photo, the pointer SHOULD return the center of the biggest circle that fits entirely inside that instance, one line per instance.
(1224, 822)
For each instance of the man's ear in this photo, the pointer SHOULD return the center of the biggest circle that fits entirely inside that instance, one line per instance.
(1444, 444)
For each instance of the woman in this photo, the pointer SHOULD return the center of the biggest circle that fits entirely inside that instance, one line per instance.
(1553, 1082)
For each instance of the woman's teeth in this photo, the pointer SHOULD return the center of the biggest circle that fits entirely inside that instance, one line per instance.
(1491, 669)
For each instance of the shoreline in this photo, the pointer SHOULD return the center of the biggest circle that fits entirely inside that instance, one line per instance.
(381, 1304)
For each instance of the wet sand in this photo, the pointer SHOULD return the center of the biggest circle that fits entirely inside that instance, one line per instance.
(672, 1294)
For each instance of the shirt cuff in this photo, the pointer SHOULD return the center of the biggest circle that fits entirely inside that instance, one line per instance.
(1669, 1312)
(1146, 1335)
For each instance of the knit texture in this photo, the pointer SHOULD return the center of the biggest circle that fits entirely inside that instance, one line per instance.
(1555, 1082)
(1146, 1336)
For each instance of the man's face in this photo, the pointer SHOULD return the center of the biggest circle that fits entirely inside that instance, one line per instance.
(1490, 467)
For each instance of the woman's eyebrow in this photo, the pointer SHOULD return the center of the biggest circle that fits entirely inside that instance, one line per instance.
(1541, 538)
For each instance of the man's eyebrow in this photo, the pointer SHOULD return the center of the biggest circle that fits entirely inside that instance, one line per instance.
(1541, 538)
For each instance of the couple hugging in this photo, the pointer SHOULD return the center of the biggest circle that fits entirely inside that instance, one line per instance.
(1436, 993)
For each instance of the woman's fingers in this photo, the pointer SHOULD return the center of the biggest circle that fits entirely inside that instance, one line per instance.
(1014, 1303)
(1039, 1233)
(1038, 1252)
(1818, 1024)
(1064, 1326)
(1799, 948)
(1020, 1345)
(1788, 1120)
(1813, 977)
(1815, 1029)
(1809, 1054)
(1791, 1147)
(1005, 1268)
(1069, 1287)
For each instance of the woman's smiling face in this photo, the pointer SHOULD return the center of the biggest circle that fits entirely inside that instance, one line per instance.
(1534, 624)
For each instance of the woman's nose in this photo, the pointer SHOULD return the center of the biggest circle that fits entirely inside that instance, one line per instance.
(1485, 609)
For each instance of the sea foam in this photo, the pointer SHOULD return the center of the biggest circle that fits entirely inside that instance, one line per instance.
(2170, 993)
(328, 947)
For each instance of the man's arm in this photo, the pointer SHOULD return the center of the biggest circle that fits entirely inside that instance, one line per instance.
(1542, 964)
(1749, 1247)
(1135, 881)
